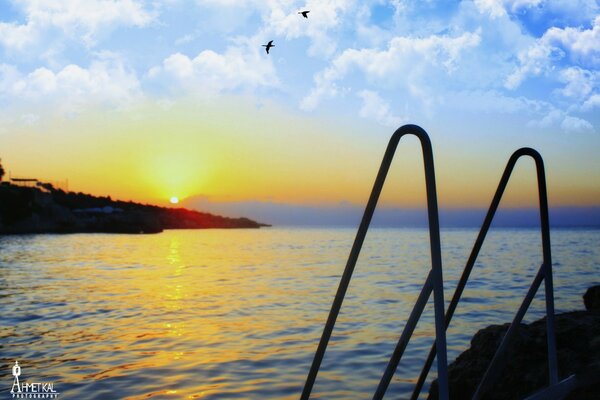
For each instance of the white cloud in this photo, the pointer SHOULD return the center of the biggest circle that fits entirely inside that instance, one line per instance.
(210, 72)
(570, 10)
(374, 107)
(493, 8)
(107, 82)
(552, 119)
(558, 119)
(592, 102)
(325, 16)
(533, 61)
(403, 63)
(576, 125)
(184, 39)
(17, 36)
(493, 101)
(81, 19)
(516, 5)
(582, 45)
(280, 19)
(500, 8)
(579, 82)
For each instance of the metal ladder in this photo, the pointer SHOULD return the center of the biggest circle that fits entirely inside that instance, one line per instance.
(434, 282)
(544, 274)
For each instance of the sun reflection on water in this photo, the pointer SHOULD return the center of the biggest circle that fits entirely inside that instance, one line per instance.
(219, 314)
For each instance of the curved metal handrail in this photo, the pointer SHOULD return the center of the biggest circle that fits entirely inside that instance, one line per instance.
(544, 273)
(433, 283)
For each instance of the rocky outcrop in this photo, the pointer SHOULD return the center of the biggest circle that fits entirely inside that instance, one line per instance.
(525, 367)
(48, 210)
(591, 298)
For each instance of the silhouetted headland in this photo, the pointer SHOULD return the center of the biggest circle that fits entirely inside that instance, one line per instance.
(525, 369)
(44, 209)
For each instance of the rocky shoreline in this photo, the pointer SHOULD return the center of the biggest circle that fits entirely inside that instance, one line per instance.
(525, 370)
(44, 209)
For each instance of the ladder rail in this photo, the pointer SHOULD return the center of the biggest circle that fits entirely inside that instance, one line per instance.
(547, 260)
(436, 259)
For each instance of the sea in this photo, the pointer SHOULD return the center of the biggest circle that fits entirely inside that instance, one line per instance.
(237, 314)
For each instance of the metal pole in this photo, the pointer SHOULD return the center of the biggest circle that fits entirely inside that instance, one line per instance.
(548, 280)
(437, 283)
(545, 231)
(437, 279)
(404, 338)
(351, 263)
(493, 369)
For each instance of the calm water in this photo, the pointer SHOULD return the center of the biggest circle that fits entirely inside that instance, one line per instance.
(238, 313)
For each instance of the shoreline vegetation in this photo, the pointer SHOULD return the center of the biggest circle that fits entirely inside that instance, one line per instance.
(45, 209)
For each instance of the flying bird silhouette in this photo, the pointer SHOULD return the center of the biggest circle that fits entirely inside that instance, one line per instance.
(304, 13)
(268, 46)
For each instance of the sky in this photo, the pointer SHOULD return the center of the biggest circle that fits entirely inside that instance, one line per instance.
(145, 100)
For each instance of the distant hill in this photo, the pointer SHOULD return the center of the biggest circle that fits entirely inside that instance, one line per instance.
(44, 209)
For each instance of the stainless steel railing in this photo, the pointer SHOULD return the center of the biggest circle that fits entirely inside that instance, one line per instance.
(434, 281)
(544, 273)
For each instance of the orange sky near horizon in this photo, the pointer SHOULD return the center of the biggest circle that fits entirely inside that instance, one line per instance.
(151, 154)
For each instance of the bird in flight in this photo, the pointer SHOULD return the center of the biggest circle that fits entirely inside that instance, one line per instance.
(304, 13)
(268, 46)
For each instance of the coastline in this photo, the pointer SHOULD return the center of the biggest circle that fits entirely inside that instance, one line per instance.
(44, 209)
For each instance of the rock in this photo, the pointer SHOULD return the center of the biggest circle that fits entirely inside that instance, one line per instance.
(525, 369)
(591, 298)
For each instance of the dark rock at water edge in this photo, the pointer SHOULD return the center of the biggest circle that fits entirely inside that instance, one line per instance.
(591, 298)
(48, 210)
(525, 366)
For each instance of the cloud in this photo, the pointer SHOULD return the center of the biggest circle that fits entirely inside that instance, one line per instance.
(552, 119)
(559, 119)
(533, 61)
(579, 83)
(500, 8)
(17, 36)
(561, 12)
(493, 8)
(576, 125)
(80, 19)
(581, 45)
(493, 101)
(396, 57)
(592, 102)
(374, 107)
(239, 67)
(280, 18)
(403, 63)
(325, 16)
(107, 81)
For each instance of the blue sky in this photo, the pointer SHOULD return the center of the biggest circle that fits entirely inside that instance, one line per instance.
(494, 75)
(390, 62)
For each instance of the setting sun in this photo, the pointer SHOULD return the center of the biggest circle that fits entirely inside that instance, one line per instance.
(174, 200)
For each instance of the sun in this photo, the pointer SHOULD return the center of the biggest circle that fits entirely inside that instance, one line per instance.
(174, 200)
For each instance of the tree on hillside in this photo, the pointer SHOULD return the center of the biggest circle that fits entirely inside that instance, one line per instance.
(1, 170)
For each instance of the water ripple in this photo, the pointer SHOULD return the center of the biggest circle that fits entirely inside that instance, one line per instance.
(238, 314)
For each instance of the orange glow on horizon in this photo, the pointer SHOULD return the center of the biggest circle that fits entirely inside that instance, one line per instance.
(229, 153)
